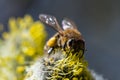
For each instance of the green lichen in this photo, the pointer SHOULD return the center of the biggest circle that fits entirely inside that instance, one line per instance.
(70, 67)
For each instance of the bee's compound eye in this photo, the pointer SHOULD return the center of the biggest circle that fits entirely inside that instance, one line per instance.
(70, 42)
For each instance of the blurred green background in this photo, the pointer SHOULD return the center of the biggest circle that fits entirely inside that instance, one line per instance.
(98, 21)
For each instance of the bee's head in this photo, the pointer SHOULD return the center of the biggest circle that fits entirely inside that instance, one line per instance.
(75, 45)
(72, 41)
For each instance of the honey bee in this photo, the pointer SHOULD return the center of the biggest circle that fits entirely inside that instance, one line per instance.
(67, 38)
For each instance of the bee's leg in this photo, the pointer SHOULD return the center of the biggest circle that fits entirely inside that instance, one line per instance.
(63, 47)
(50, 50)
(83, 51)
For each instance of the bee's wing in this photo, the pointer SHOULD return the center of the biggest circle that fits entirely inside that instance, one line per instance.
(67, 23)
(50, 20)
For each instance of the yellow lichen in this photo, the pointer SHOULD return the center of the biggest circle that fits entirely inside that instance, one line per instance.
(20, 46)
